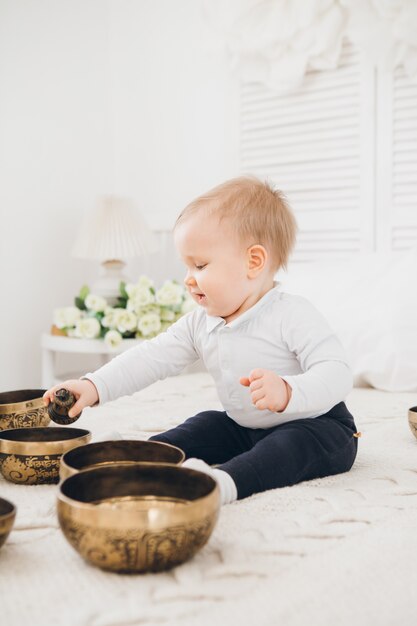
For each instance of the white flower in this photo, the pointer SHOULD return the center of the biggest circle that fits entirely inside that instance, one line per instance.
(144, 281)
(150, 308)
(149, 324)
(126, 321)
(95, 303)
(113, 338)
(170, 294)
(131, 289)
(167, 315)
(146, 314)
(139, 297)
(188, 305)
(87, 328)
(66, 317)
(109, 319)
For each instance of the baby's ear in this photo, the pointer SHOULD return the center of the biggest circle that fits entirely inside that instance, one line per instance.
(257, 259)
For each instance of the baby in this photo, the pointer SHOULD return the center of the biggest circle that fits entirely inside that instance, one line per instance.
(281, 373)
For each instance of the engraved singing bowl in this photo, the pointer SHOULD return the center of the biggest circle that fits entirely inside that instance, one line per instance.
(31, 456)
(23, 409)
(110, 452)
(412, 420)
(138, 518)
(7, 517)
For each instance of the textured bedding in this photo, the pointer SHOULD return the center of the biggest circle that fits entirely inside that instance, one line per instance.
(333, 551)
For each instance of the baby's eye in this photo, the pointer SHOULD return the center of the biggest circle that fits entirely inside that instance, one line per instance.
(200, 267)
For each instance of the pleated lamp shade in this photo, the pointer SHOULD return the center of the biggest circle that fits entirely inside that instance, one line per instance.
(114, 230)
(113, 233)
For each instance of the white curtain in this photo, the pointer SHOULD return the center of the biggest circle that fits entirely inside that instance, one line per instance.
(276, 41)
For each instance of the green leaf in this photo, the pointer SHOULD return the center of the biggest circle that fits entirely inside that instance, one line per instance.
(84, 291)
(122, 289)
(80, 304)
(121, 303)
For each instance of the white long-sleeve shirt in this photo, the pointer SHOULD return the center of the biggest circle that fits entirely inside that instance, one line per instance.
(282, 332)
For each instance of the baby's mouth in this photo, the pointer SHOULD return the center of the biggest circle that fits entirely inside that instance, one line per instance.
(199, 297)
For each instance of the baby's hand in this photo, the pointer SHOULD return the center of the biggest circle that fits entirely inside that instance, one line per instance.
(84, 391)
(268, 390)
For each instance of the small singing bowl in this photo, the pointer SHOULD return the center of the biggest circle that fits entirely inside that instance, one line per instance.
(412, 420)
(138, 518)
(23, 409)
(31, 456)
(7, 517)
(110, 452)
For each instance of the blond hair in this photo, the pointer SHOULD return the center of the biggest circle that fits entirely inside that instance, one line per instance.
(257, 212)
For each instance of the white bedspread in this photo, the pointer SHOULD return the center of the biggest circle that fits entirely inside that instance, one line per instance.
(335, 551)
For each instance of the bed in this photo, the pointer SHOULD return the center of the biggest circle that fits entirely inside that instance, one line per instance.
(333, 551)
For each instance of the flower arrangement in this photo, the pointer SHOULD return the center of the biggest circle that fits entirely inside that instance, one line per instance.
(140, 312)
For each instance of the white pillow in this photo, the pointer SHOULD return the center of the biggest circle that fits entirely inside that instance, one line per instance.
(371, 303)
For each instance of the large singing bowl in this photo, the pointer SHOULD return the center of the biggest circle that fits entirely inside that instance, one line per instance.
(138, 518)
(7, 517)
(31, 456)
(125, 451)
(23, 409)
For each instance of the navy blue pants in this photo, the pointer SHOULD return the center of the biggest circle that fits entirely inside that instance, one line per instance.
(265, 458)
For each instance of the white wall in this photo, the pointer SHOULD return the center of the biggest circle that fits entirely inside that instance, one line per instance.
(126, 96)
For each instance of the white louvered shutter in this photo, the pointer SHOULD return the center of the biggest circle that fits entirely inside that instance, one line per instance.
(315, 144)
(404, 162)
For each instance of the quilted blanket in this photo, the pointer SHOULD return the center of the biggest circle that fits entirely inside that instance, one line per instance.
(334, 551)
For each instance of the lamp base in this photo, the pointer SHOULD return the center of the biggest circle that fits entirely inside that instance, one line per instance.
(108, 284)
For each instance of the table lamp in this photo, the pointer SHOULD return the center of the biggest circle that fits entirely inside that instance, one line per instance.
(113, 232)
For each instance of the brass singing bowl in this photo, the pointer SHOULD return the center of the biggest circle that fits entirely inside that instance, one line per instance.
(23, 409)
(7, 517)
(412, 420)
(125, 451)
(138, 518)
(31, 456)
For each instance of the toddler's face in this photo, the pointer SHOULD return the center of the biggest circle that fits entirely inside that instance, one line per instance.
(216, 264)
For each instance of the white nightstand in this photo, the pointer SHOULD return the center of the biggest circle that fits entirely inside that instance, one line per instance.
(52, 344)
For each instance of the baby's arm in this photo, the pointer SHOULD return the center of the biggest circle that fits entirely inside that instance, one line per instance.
(155, 359)
(326, 377)
(133, 370)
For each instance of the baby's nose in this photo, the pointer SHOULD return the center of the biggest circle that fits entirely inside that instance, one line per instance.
(189, 280)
